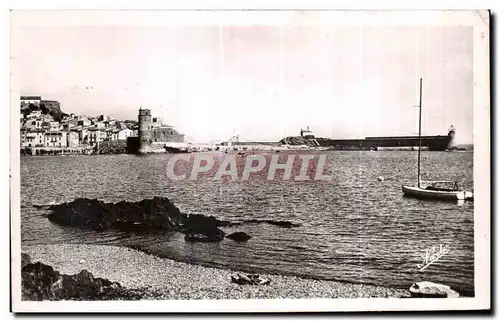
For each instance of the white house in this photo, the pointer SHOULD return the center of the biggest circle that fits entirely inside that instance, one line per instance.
(73, 139)
(54, 126)
(47, 118)
(34, 114)
(124, 134)
(96, 135)
(100, 125)
(34, 124)
(83, 135)
(56, 139)
(84, 122)
(114, 136)
(34, 138)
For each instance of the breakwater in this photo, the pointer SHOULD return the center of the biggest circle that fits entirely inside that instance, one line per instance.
(431, 143)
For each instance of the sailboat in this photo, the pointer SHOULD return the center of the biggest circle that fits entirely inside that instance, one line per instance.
(434, 190)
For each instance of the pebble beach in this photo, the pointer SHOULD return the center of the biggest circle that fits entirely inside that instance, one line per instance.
(168, 279)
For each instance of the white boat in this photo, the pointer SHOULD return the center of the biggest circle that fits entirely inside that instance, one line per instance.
(436, 193)
(435, 190)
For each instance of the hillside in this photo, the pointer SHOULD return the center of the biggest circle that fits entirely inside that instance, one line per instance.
(55, 112)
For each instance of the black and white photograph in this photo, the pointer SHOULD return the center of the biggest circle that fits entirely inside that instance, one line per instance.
(251, 160)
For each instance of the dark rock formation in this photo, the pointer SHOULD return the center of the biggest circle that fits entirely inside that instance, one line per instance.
(53, 110)
(279, 223)
(154, 214)
(432, 290)
(294, 140)
(41, 206)
(239, 236)
(25, 259)
(251, 279)
(41, 282)
(148, 214)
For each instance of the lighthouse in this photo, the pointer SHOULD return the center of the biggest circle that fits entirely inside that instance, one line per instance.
(451, 136)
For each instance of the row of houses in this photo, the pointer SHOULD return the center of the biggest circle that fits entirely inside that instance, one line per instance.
(74, 137)
(39, 129)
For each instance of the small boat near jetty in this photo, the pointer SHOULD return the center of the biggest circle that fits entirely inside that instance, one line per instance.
(434, 190)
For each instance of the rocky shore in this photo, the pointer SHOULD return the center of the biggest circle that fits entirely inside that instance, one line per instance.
(124, 273)
(98, 272)
(158, 213)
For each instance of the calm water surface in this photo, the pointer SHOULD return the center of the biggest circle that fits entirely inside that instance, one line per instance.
(354, 228)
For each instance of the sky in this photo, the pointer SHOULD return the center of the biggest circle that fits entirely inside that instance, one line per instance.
(260, 82)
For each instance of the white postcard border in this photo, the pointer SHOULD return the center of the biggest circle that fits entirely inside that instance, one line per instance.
(482, 212)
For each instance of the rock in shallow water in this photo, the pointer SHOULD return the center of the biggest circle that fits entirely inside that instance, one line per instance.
(239, 236)
(158, 213)
(279, 223)
(98, 215)
(432, 290)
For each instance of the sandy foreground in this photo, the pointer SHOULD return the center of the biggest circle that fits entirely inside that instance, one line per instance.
(168, 279)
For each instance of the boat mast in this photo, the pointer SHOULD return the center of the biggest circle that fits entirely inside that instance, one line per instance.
(419, 131)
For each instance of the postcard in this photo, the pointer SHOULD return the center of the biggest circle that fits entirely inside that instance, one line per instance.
(250, 160)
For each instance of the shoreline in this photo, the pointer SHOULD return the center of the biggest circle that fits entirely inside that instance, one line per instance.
(165, 278)
(246, 270)
(234, 152)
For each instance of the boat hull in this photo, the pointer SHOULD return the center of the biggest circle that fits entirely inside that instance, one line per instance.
(420, 193)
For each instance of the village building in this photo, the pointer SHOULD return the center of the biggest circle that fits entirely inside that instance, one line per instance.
(115, 135)
(73, 139)
(55, 139)
(102, 118)
(124, 134)
(47, 118)
(100, 125)
(84, 122)
(83, 135)
(34, 114)
(54, 126)
(33, 124)
(109, 134)
(96, 135)
(33, 138)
